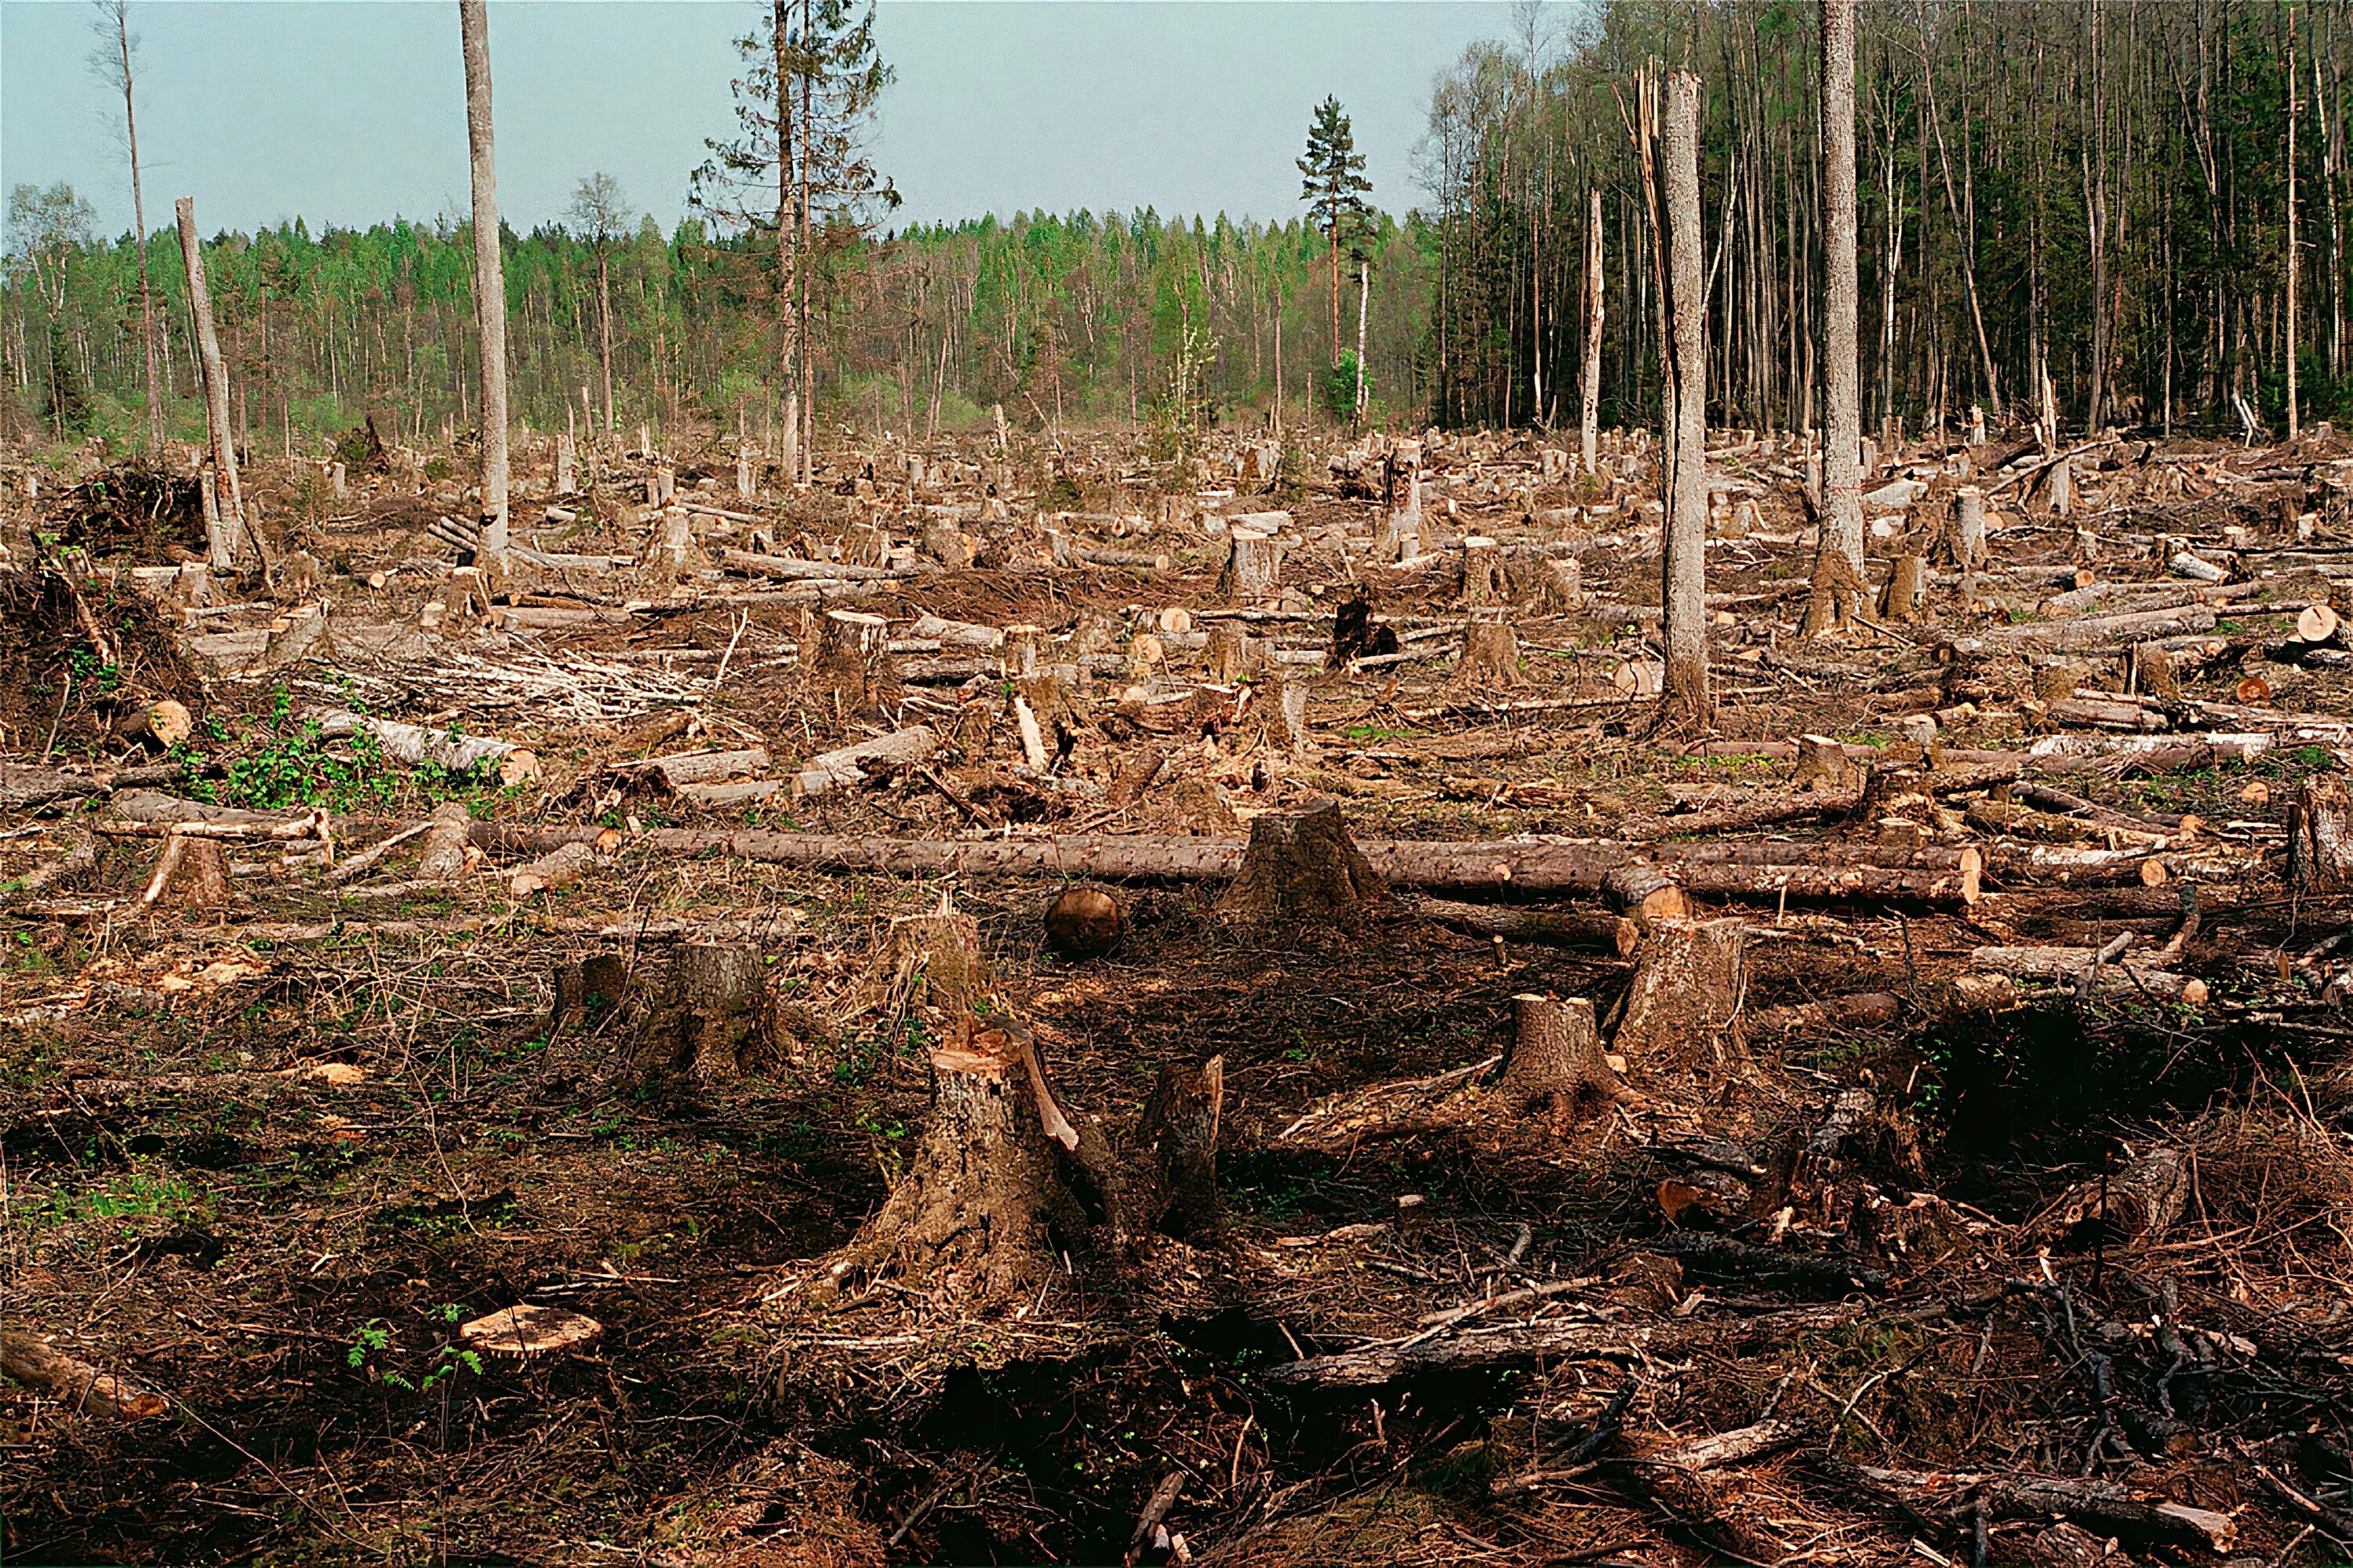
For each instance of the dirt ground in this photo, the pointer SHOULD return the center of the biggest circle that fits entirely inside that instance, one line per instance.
(265, 1157)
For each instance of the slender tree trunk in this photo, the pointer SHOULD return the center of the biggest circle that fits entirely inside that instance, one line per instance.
(1684, 694)
(604, 332)
(1590, 427)
(226, 514)
(2289, 259)
(802, 262)
(139, 230)
(490, 276)
(1841, 520)
(1364, 297)
(1335, 293)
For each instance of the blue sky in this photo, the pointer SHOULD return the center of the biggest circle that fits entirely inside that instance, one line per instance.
(352, 111)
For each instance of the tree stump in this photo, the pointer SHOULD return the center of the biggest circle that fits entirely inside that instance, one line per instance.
(192, 874)
(1355, 634)
(1838, 589)
(1160, 1175)
(1481, 570)
(713, 1018)
(586, 989)
(932, 959)
(2151, 672)
(158, 726)
(565, 482)
(976, 1216)
(1253, 567)
(1287, 722)
(1230, 654)
(1021, 646)
(851, 645)
(945, 543)
(1969, 528)
(2320, 836)
(1822, 764)
(1562, 582)
(1555, 1058)
(1302, 867)
(2062, 488)
(1690, 977)
(1907, 587)
(1491, 653)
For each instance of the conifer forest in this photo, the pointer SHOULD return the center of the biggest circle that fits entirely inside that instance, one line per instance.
(1637, 851)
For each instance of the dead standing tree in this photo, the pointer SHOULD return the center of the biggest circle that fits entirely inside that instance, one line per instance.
(1589, 429)
(490, 276)
(224, 499)
(1684, 695)
(113, 64)
(1838, 558)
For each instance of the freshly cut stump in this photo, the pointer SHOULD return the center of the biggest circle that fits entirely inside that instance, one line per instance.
(1302, 867)
(1646, 895)
(978, 1215)
(530, 1332)
(192, 874)
(713, 1016)
(1555, 1058)
(1689, 980)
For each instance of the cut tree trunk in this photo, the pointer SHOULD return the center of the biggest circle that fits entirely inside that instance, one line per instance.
(1301, 870)
(1690, 979)
(1481, 571)
(2137, 1201)
(1556, 1059)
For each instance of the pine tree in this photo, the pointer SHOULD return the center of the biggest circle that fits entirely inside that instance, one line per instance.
(1335, 189)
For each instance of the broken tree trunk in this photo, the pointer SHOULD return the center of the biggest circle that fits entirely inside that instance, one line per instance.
(1303, 868)
(1683, 699)
(225, 511)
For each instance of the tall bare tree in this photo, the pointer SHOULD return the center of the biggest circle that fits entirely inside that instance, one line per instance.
(113, 61)
(489, 275)
(599, 214)
(1838, 585)
(1683, 695)
(1590, 423)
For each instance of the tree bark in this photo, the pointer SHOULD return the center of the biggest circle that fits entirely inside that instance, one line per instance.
(1684, 693)
(1590, 420)
(490, 276)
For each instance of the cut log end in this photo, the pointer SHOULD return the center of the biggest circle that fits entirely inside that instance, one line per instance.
(531, 1332)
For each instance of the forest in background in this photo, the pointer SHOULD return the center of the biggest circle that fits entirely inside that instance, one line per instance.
(2100, 193)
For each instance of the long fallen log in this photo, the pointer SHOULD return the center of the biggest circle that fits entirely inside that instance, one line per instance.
(1492, 866)
(74, 1383)
(792, 570)
(2110, 1508)
(2088, 633)
(1490, 1345)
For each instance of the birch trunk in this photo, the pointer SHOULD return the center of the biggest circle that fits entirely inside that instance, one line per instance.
(490, 277)
(1591, 426)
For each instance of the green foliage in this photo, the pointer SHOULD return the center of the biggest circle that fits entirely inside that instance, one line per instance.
(1340, 386)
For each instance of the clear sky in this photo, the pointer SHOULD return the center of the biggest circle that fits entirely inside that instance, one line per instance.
(352, 111)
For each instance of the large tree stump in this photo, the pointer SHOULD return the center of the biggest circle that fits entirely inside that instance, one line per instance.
(1230, 654)
(713, 1019)
(1303, 868)
(2320, 836)
(976, 1217)
(1490, 652)
(191, 874)
(1969, 528)
(1253, 567)
(1690, 978)
(1555, 1058)
(1482, 563)
(852, 648)
(1907, 587)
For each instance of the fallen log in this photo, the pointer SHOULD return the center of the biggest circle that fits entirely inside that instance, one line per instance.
(846, 766)
(415, 745)
(1494, 866)
(2085, 967)
(2111, 1508)
(74, 1383)
(2088, 633)
(1552, 1338)
(23, 789)
(791, 570)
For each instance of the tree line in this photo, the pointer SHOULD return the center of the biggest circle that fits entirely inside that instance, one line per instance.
(2128, 212)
